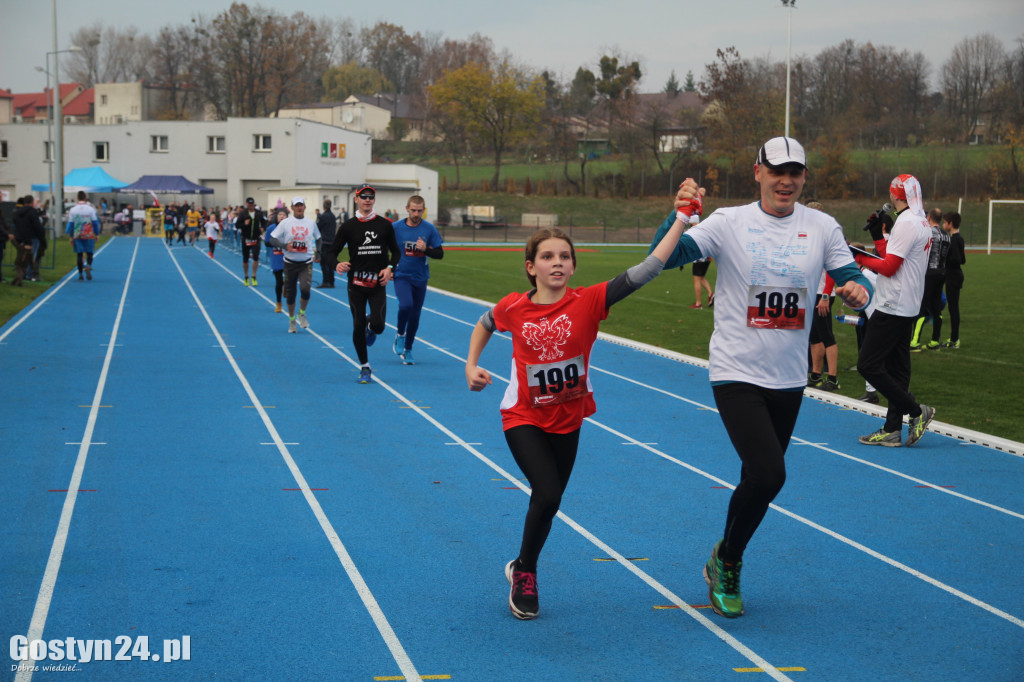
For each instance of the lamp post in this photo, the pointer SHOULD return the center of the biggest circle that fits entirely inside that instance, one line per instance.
(49, 138)
(791, 5)
(57, 208)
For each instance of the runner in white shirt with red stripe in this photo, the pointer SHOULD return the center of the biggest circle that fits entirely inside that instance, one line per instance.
(770, 256)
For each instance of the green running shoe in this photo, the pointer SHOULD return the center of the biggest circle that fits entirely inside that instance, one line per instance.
(723, 585)
(918, 425)
(890, 439)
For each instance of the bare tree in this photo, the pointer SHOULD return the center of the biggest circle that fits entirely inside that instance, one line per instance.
(970, 77)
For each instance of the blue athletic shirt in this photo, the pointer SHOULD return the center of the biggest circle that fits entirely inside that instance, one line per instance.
(413, 264)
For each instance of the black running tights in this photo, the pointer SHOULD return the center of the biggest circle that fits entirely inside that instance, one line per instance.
(759, 422)
(547, 460)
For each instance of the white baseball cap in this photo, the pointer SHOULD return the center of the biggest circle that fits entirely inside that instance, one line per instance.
(298, 200)
(779, 151)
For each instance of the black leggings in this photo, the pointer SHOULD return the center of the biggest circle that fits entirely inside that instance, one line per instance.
(954, 283)
(358, 297)
(84, 259)
(759, 422)
(278, 284)
(547, 460)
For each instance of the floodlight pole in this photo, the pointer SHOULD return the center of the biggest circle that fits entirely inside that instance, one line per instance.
(789, 49)
(58, 146)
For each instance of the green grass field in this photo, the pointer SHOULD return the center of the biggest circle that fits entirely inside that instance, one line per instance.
(980, 386)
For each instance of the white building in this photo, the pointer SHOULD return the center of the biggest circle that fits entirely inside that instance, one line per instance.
(265, 158)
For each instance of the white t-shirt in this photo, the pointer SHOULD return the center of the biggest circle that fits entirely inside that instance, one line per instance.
(909, 238)
(212, 229)
(768, 269)
(301, 233)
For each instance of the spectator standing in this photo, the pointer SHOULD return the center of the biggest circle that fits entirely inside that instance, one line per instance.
(327, 223)
(25, 222)
(884, 358)
(954, 275)
(5, 236)
(419, 241)
(934, 278)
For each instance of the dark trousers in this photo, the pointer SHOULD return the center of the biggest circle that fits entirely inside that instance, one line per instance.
(546, 459)
(884, 361)
(760, 423)
(931, 304)
(358, 299)
(954, 283)
(327, 274)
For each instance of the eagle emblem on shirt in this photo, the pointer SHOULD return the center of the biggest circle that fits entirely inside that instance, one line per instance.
(546, 336)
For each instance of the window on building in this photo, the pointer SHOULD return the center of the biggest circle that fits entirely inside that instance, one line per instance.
(261, 143)
(101, 151)
(48, 154)
(103, 99)
(3, 150)
(216, 144)
(158, 143)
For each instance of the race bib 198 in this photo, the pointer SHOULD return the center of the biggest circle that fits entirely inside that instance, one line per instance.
(776, 307)
(552, 383)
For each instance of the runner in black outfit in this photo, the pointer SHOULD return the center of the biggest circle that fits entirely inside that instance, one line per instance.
(251, 223)
(373, 255)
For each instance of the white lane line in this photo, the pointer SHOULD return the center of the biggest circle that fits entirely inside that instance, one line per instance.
(50, 293)
(362, 589)
(738, 646)
(42, 607)
(848, 541)
(892, 562)
(842, 538)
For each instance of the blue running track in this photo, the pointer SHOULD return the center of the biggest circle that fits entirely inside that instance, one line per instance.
(183, 476)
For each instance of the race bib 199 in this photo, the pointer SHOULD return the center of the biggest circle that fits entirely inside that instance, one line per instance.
(552, 383)
(776, 307)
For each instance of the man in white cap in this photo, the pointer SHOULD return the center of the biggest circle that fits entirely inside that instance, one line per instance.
(770, 256)
(299, 238)
(884, 358)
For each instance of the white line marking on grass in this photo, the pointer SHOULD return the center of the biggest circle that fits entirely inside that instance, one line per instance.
(60, 539)
(405, 664)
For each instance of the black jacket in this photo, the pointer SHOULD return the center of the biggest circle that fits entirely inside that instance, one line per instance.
(26, 224)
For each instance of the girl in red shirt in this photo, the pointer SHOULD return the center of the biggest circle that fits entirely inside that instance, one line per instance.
(553, 330)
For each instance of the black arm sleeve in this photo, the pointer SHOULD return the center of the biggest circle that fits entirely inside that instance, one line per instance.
(435, 252)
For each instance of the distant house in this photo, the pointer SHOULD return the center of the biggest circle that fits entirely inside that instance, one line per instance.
(675, 118)
(371, 114)
(6, 106)
(76, 101)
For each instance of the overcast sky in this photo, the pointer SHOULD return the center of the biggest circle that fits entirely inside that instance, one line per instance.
(563, 35)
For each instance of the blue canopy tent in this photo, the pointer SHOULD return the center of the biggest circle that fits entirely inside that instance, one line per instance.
(164, 184)
(92, 179)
